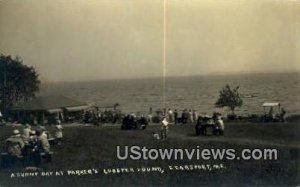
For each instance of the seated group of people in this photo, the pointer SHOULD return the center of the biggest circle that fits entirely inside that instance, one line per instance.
(131, 121)
(272, 117)
(215, 123)
(31, 143)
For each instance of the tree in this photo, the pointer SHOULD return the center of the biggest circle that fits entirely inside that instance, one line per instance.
(229, 98)
(18, 82)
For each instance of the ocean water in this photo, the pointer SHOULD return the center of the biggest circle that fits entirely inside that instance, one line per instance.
(195, 92)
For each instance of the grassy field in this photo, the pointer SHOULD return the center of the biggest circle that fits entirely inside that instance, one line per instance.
(88, 147)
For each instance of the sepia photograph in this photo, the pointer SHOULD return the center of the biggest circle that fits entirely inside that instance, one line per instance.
(149, 93)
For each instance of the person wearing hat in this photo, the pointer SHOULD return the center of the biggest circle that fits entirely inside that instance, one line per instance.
(58, 133)
(43, 142)
(26, 133)
(15, 144)
(44, 132)
(164, 128)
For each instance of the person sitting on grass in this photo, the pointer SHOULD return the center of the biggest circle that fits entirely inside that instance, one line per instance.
(15, 144)
(143, 122)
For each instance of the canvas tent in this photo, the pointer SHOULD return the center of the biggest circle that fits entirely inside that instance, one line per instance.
(43, 106)
(270, 106)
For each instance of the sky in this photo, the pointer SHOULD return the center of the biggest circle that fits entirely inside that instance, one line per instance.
(78, 40)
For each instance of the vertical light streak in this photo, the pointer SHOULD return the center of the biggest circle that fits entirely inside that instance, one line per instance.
(164, 54)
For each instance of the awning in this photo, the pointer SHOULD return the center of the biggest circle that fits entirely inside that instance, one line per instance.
(76, 108)
(56, 110)
(270, 104)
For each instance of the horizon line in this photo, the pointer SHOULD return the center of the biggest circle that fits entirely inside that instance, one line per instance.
(176, 76)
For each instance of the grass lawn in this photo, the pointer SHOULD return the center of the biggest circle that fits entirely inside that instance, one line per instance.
(88, 147)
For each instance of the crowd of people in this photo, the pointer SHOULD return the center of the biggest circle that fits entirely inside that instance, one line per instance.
(215, 123)
(174, 116)
(187, 116)
(31, 145)
(133, 121)
(271, 116)
(98, 117)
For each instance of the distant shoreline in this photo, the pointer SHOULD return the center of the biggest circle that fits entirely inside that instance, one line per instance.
(214, 74)
(193, 92)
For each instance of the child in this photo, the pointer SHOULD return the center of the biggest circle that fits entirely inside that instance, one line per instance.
(58, 133)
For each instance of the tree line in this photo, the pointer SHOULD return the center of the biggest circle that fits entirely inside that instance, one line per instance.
(18, 82)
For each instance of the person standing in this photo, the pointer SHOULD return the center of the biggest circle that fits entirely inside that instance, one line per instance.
(184, 116)
(26, 133)
(170, 116)
(58, 133)
(97, 118)
(175, 117)
(149, 117)
(220, 125)
(164, 128)
(190, 117)
(1, 117)
(195, 116)
(282, 115)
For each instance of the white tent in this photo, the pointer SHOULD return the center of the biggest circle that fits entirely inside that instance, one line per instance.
(270, 104)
